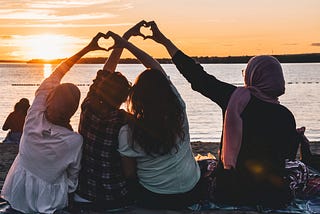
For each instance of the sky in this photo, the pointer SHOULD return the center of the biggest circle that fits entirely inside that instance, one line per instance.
(49, 29)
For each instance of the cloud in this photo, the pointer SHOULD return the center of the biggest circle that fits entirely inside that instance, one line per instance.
(64, 3)
(315, 44)
(49, 16)
(290, 44)
(60, 25)
(44, 4)
(24, 40)
(41, 12)
(5, 37)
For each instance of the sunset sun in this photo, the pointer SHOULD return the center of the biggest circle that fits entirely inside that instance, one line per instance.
(47, 46)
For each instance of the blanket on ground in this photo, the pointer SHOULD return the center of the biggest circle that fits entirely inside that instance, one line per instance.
(308, 203)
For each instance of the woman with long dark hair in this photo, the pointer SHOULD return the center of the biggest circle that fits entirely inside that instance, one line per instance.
(155, 145)
(157, 111)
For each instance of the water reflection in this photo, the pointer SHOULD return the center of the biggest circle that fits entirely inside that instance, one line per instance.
(47, 70)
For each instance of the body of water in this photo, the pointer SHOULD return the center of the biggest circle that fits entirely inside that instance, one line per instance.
(205, 120)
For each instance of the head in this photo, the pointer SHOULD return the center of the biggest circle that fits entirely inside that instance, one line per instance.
(22, 106)
(61, 104)
(158, 115)
(265, 73)
(109, 90)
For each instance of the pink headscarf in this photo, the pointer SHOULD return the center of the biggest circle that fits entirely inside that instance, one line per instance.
(264, 80)
(62, 103)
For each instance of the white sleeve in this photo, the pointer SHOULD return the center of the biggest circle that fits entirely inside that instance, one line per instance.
(74, 167)
(125, 142)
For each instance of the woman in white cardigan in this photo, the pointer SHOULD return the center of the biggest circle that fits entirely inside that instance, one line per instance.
(47, 165)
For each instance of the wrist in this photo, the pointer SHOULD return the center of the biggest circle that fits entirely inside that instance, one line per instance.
(86, 49)
(126, 36)
(165, 41)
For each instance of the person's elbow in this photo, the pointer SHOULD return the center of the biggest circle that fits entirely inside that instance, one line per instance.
(129, 167)
(129, 174)
(5, 127)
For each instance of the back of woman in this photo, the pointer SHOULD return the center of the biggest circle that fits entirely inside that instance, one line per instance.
(265, 134)
(158, 139)
(260, 168)
(274, 139)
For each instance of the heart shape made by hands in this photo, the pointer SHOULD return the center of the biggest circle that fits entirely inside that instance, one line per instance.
(146, 31)
(105, 43)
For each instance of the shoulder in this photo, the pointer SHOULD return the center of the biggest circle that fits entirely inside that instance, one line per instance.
(74, 139)
(124, 131)
(286, 113)
(125, 147)
(12, 115)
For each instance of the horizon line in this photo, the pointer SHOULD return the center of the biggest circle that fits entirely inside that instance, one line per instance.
(163, 58)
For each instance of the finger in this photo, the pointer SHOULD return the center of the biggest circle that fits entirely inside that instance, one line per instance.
(103, 49)
(148, 37)
(111, 48)
(151, 23)
(147, 24)
(99, 35)
(143, 23)
(109, 34)
(143, 36)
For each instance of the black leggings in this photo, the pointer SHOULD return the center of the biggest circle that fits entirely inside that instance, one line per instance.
(151, 200)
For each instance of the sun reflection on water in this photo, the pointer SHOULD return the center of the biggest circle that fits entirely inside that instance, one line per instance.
(47, 70)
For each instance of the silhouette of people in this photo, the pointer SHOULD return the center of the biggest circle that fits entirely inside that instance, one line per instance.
(47, 165)
(15, 121)
(259, 133)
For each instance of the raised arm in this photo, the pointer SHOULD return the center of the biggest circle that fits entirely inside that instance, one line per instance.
(159, 37)
(143, 57)
(113, 60)
(65, 66)
(200, 80)
(54, 79)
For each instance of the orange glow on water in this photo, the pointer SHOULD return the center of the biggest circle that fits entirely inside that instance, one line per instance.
(47, 70)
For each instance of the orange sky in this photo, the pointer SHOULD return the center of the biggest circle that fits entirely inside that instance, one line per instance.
(58, 28)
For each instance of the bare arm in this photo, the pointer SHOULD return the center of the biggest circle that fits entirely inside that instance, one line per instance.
(129, 167)
(65, 66)
(113, 60)
(143, 57)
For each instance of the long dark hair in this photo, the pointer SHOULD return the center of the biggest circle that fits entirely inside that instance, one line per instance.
(157, 113)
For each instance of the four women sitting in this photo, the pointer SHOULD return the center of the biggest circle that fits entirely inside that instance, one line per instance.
(259, 137)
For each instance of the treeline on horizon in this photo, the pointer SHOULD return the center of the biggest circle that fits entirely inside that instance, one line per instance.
(291, 58)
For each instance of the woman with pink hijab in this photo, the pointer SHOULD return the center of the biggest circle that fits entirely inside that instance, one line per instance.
(259, 134)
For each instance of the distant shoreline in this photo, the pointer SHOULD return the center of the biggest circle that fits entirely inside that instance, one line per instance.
(290, 58)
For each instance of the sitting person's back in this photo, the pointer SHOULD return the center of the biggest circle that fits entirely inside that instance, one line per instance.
(15, 121)
(101, 179)
(168, 175)
(46, 168)
(260, 169)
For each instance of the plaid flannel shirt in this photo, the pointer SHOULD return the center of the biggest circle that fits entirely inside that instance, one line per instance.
(101, 179)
